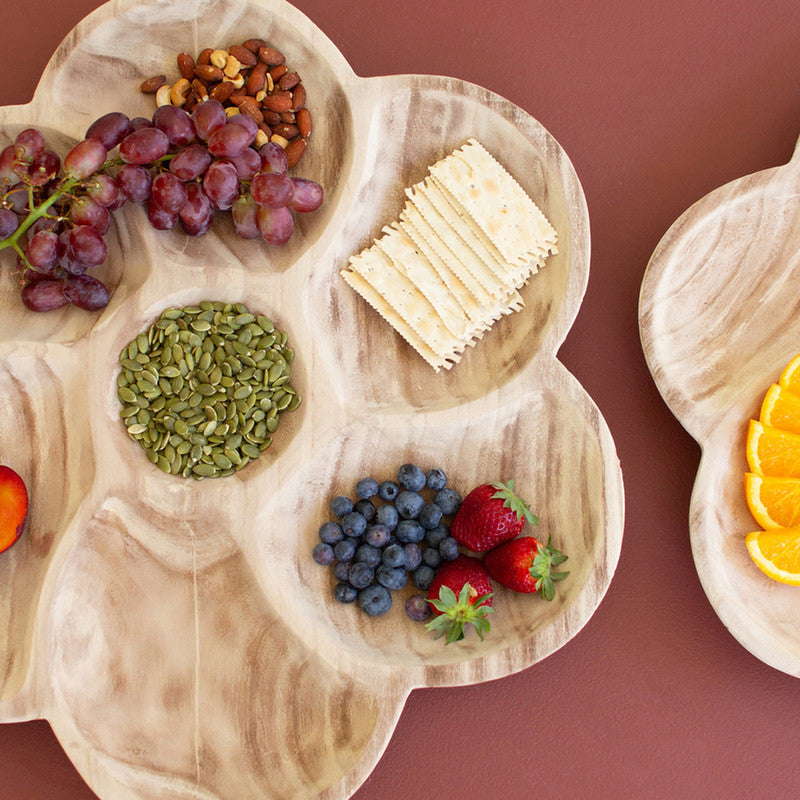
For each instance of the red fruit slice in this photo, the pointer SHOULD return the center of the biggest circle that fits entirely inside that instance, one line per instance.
(13, 507)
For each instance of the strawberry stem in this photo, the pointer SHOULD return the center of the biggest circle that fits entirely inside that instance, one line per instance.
(505, 492)
(541, 571)
(457, 612)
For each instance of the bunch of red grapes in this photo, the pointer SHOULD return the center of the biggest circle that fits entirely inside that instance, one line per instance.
(183, 167)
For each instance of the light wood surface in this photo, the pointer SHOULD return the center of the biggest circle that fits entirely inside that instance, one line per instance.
(718, 320)
(177, 635)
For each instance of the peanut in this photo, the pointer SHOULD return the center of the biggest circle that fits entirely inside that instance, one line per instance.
(261, 138)
(231, 111)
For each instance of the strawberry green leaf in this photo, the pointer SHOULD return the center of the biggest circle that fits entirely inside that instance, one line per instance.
(541, 570)
(505, 492)
(458, 612)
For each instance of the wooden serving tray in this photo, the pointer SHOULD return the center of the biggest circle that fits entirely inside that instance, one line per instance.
(718, 321)
(176, 634)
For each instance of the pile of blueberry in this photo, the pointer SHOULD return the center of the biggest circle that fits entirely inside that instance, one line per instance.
(390, 533)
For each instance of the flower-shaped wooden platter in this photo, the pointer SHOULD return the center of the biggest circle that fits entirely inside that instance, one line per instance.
(718, 321)
(175, 633)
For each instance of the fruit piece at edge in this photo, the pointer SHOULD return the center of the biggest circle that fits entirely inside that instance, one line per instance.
(776, 553)
(13, 507)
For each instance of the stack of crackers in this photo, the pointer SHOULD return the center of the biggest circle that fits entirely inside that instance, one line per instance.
(453, 263)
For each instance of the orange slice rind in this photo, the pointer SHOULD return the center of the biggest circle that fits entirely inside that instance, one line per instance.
(776, 553)
(773, 502)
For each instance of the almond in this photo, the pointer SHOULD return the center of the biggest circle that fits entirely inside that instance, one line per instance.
(288, 116)
(205, 56)
(270, 55)
(221, 91)
(289, 81)
(243, 55)
(186, 66)
(304, 122)
(295, 150)
(286, 130)
(299, 97)
(254, 45)
(199, 89)
(257, 78)
(276, 73)
(208, 72)
(271, 117)
(278, 102)
(152, 85)
(250, 107)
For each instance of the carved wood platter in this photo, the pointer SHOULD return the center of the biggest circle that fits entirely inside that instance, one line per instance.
(176, 634)
(719, 321)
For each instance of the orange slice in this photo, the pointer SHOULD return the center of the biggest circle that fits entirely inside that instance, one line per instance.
(790, 377)
(771, 451)
(781, 408)
(777, 553)
(773, 502)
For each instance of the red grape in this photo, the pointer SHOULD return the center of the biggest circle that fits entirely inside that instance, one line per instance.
(221, 184)
(144, 146)
(272, 189)
(8, 158)
(273, 158)
(307, 195)
(141, 122)
(110, 129)
(248, 122)
(135, 182)
(42, 251)
(85, 292)
(175, 123)
(85, 211)
(87, 245)
(159, 218)
(247, 164)
(275, 224)
(190, 163)
(44, 295)
(198, 212)
(84, 159)
(29, 144)
(102, 189)
(16, 199)
(9, 222)
(44, 168)
(243, 213)
(229, 140)
(45, 223)
(207, 117)
(168, 193)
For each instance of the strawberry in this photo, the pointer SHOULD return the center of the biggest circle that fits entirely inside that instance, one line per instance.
(461, 594)
(13, 507)
(526, 565)
(490, 514)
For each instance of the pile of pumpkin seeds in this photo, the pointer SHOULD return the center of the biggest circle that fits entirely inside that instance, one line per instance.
(202, 389)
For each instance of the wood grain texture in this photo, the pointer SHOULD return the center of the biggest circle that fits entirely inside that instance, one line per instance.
(177, 635)
(718, 319)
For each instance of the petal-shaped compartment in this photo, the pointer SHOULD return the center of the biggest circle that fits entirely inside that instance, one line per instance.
(413, 122)
(220, 672)
(549, 438)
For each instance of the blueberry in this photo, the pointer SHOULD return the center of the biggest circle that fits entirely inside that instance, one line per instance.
(345, 593)
(423, 577)
(435, 480)
(394, 555)
(366, 488)
(391, 577)
(345, 550)
(341, 506)
(366, 509)
(408, 504)
(418, 608)
(430, 516)
(331, 532)
(448, 500)
(411, 477)
(448, 549)
(375, 600)
(354, 524)
(388, 491)
(431, 557)
(369, 555)
(323, 554)
(361, 575)
(409, 530)
(341, 569)
(378, 535)
(388, 516)
(413, 556)
(434, 536)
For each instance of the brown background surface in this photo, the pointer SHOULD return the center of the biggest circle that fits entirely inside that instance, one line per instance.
(656, 105)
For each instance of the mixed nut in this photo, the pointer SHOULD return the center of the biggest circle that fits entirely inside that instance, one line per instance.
(249, 78)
